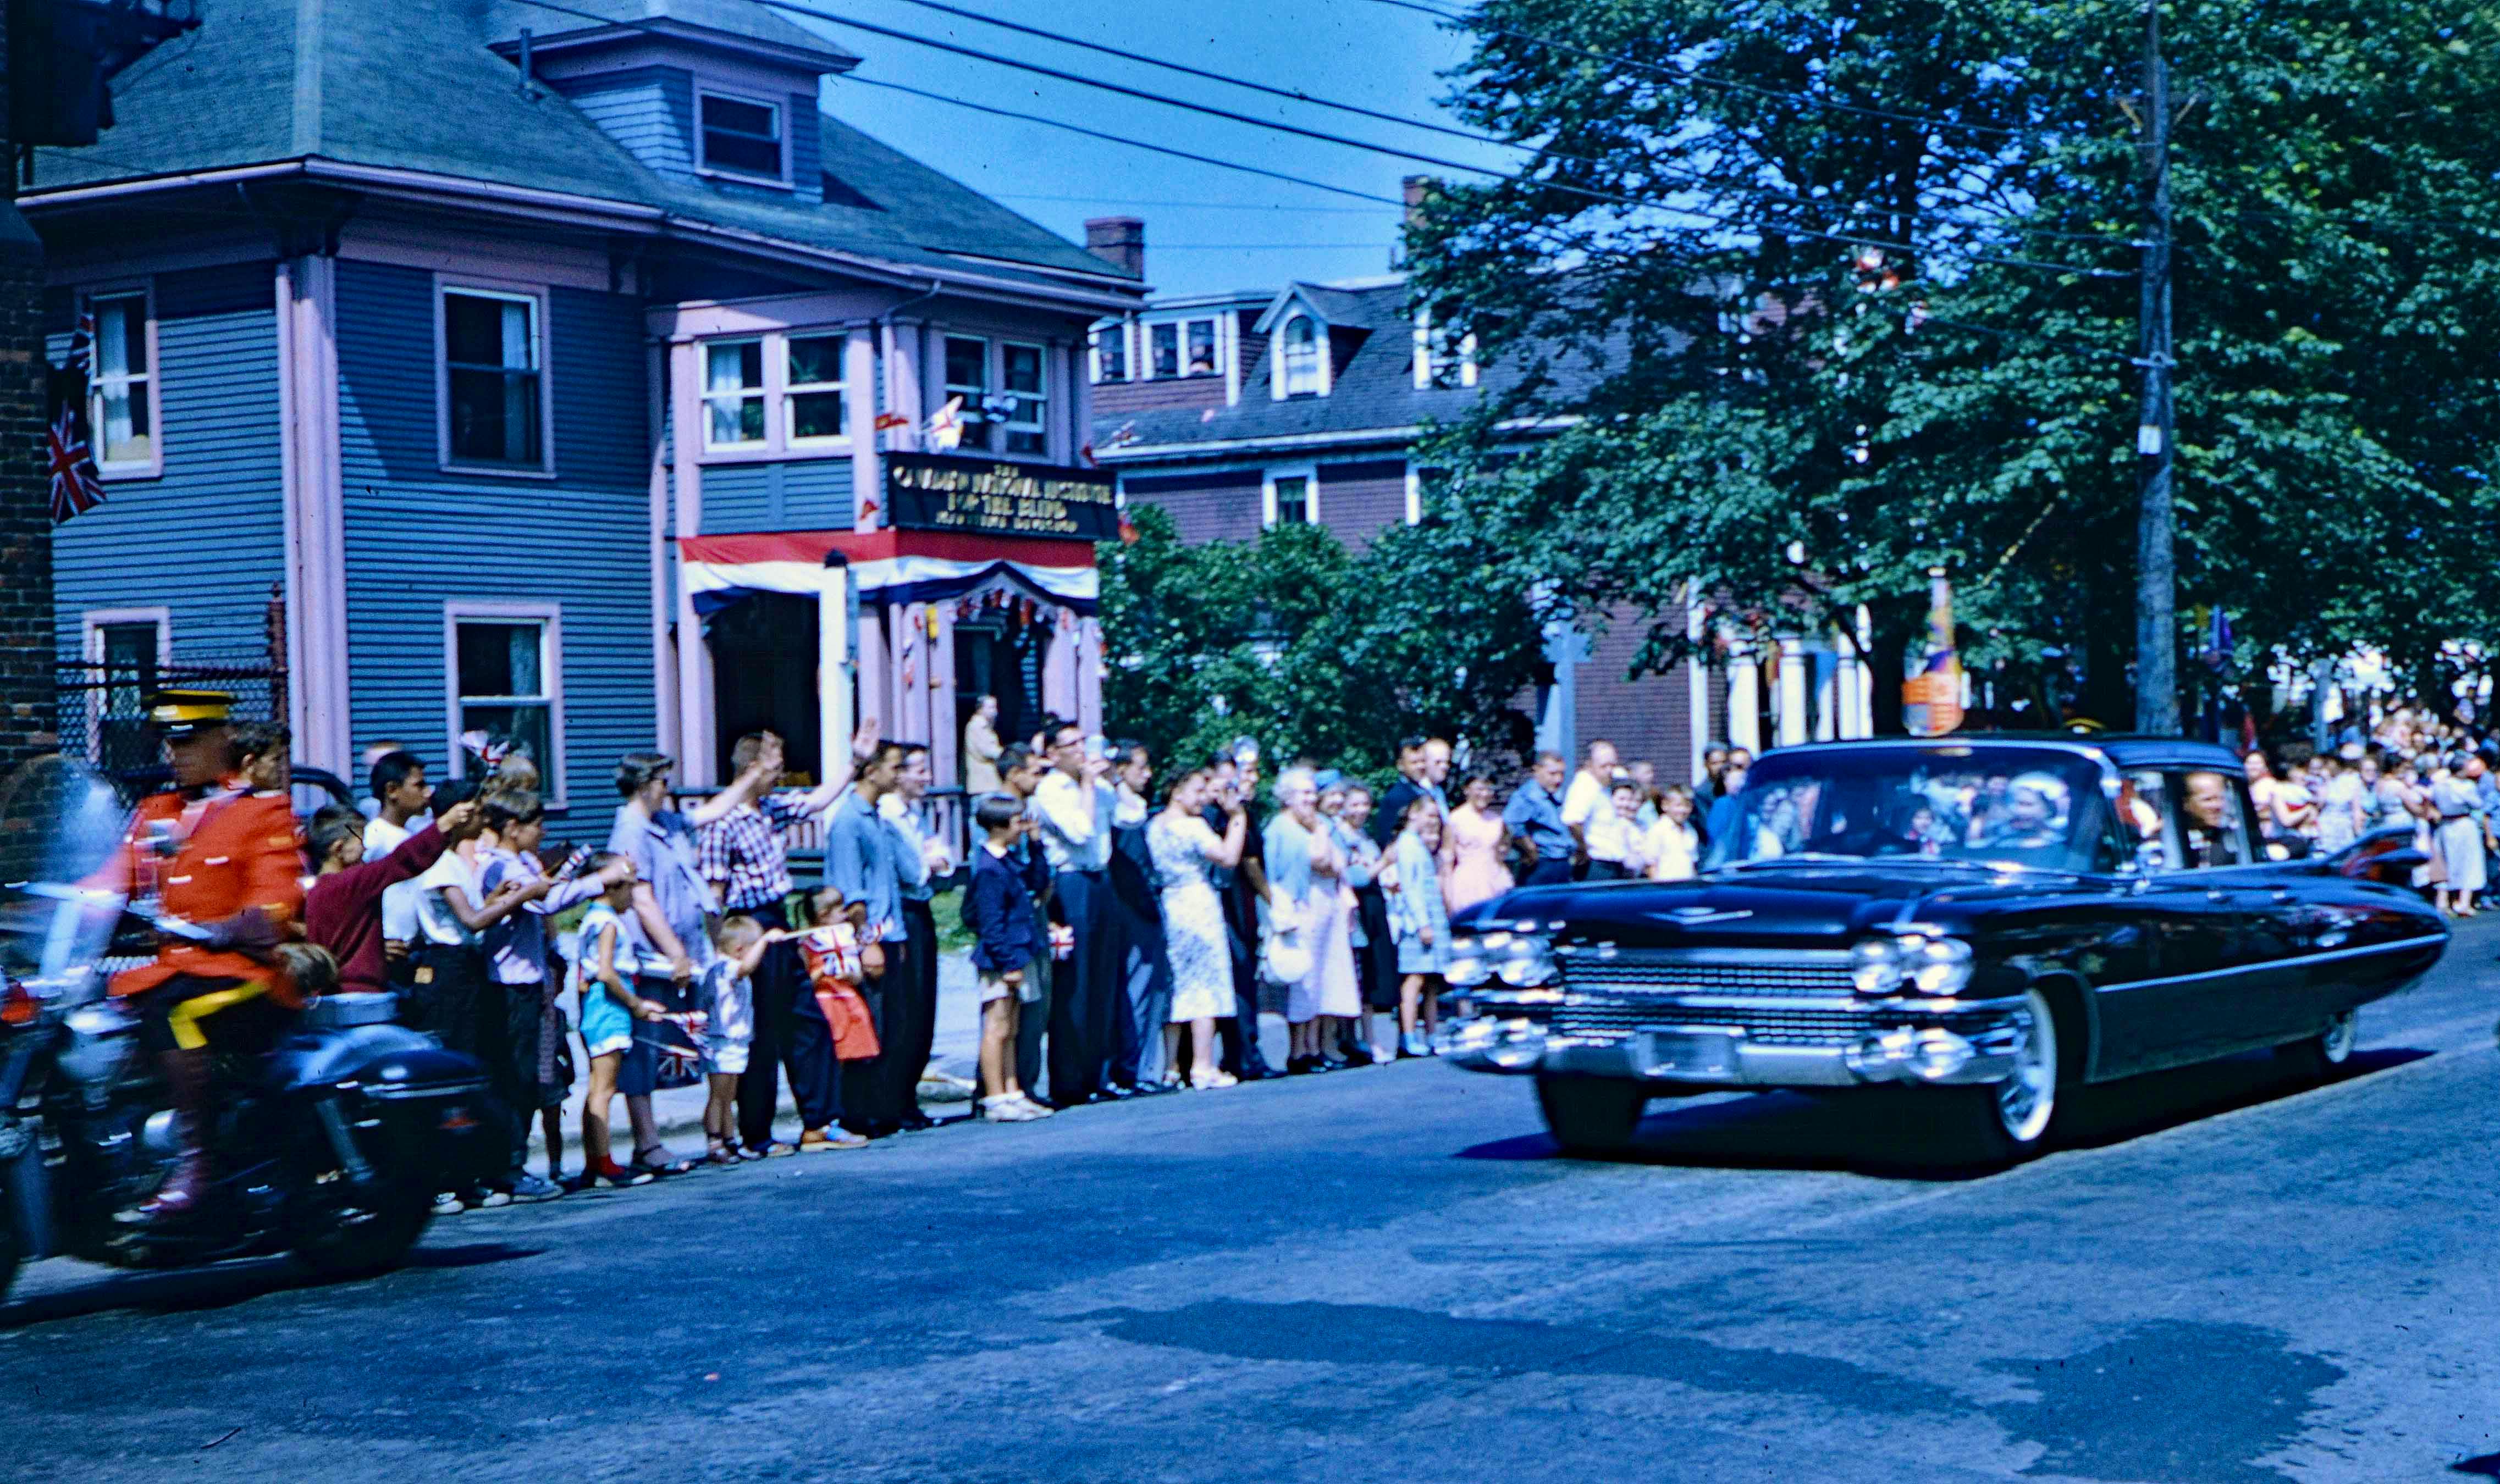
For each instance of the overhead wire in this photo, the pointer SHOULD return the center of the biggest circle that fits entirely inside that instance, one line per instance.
(1396, 152)
(1704, 80)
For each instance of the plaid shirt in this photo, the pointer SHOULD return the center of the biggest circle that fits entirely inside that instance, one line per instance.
(740, 853)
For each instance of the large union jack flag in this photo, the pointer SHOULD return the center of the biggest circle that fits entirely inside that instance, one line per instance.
(69, 443)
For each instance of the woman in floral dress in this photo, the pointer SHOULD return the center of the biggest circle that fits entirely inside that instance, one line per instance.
(1184, 848)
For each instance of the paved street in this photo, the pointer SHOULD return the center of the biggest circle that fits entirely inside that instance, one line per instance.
(1386, 1275)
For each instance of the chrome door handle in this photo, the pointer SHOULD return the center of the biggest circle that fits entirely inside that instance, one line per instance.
(2214, 893)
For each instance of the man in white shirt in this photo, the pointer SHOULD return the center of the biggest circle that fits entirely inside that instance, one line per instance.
(1073, 807)
(1589, 792)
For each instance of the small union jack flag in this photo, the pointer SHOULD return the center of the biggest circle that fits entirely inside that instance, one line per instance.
(76, 487)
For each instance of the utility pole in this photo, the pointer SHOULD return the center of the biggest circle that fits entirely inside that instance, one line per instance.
(2156, 538)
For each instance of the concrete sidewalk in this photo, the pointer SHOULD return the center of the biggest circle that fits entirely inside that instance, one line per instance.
(956, 1049)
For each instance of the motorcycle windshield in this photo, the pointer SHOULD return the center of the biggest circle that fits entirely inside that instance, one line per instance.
(61, 881)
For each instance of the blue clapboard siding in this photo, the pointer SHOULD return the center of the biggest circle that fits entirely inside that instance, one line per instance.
(205, 538)
(785, 495)
(806, 147)
(650, 111)
(417, 535)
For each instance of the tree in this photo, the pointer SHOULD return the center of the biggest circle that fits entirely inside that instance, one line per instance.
(1855, 285)
(1308, 648)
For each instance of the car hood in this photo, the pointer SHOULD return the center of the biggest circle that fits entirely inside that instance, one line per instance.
(1817, 905)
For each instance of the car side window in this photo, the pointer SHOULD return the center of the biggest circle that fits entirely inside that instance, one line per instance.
(2209, 820)
(2143, 807)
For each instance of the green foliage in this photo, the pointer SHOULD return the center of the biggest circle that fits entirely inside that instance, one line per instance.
(1736, 391)
(1310, 649)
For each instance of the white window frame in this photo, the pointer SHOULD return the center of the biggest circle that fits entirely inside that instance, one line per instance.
(1308, 473)
(551, 619)
(1279, 387)
(1116, 330)
(778, 367)
(92, 624)
(761, 393)
(998, 385)
(533, 295)
(149, 468)
(948, 390)
(1462, 361)
(781, 127)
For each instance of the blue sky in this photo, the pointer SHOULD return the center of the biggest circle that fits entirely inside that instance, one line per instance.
(1207, 228)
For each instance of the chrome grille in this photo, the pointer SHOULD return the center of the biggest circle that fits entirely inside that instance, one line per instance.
(1725, 971)
(1763, 1026)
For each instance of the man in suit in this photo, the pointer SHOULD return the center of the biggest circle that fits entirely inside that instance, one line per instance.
(1391, 817)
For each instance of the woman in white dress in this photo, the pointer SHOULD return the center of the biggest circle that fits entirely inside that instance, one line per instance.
(1183, 848)
(1307, 902)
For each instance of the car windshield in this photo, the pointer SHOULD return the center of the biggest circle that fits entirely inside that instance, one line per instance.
(2024, 807)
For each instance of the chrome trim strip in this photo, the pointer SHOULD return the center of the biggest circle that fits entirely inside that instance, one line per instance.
(2277, 963)
(1744, 958)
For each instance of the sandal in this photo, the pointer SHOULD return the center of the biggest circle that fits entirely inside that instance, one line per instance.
(813, 1141)
(666, 1166)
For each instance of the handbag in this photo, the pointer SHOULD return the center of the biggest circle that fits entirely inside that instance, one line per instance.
(846, 1013)
(1284, 958)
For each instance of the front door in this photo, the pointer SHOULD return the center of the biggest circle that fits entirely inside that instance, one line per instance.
(763, 650)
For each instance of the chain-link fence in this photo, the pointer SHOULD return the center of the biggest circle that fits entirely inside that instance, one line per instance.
(104, 699)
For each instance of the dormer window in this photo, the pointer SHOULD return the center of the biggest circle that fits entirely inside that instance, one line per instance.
(741, 135)
(1299, 353)
(1444, 358)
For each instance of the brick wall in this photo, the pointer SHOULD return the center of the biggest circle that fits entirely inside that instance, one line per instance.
(1212, 506)
(26, 698)
(1358, 501)
(1122, 399)
(1648, 719)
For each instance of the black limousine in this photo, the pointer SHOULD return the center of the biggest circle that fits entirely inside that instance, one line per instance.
(1970, 927)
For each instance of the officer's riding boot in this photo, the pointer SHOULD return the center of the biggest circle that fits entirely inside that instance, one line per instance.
(187, 1185)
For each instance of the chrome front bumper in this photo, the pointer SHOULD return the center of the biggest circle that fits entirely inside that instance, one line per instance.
(1883, 1042)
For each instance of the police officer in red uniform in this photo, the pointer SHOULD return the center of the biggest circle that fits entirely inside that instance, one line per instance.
(224, 865)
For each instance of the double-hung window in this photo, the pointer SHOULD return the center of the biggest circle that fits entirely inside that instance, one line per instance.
(968, 376)
(741, 136)
(734, 394)
(504, 673)
(815, 400)
(1027, 385)
(1166, 341)
(120, 394)
(491, 371)
(1111, 352)
(1300, 354)
(1201, 334)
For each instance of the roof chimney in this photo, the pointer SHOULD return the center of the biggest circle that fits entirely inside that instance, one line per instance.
(1119, 241)
(1419, 189)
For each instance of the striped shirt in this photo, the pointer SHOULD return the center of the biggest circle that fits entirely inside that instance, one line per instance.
(740, 853)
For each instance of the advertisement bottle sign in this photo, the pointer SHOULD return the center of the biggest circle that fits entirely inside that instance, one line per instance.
(1931, 698)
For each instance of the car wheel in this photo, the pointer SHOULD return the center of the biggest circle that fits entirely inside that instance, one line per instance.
(1992, 1127)
(2316, 1059)
(1591, 1114)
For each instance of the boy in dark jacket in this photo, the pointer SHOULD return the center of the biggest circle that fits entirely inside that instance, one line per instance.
(1009, 955)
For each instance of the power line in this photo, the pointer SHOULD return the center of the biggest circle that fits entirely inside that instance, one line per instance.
(1116, 138)
(1194, 206)
(1704, 80)
(1396, 152)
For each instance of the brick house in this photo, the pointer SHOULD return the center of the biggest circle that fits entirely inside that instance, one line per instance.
(1303, 402)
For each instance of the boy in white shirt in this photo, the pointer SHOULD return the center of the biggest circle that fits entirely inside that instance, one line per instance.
(1609, 835)
(1670, 848)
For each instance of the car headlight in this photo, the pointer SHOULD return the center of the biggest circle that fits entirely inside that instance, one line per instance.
(1467, 966)
(1875, 966)
(1527, 960)
(1916, 962)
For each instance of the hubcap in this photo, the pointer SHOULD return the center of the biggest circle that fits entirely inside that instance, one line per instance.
(2025, 1100)
(2341, 1033)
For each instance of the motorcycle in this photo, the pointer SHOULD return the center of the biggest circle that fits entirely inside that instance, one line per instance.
(331, 1146)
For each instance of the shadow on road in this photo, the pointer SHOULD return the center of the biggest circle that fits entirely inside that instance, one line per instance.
(1797, 1131)
(218, 1285)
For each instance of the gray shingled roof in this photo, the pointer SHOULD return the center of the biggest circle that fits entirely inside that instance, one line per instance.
(504, 19)
(414, 87)
(1374, 389)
